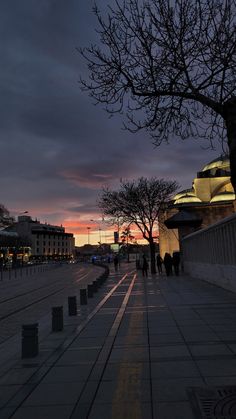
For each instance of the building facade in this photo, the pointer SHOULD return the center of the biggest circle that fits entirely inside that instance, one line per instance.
(47, 241)
(210, 199)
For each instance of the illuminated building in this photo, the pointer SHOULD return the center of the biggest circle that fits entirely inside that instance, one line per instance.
(210, 199)
(47, 241)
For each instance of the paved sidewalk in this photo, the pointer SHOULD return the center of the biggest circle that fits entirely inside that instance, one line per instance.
(140, 350)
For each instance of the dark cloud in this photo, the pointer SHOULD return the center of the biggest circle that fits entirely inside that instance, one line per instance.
(56, 148)
(83, 209)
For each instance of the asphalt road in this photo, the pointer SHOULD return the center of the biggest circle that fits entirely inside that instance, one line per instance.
(27, 299)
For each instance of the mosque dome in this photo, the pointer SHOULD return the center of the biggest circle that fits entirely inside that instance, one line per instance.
(219, 167)
(187, 199)
(211, 185)
(223, 196)
(189, 192)
(221, 162)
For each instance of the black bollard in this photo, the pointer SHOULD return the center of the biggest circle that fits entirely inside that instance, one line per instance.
(83, 297)
(95, 286)
(90, 290)
(72, 306)
(103, 277)
(57, 319)
(99, 281)
(30, 346)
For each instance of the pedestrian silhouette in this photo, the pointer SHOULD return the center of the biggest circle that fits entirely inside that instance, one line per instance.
(168, 264)
(159, 261)
(145, 266)
(176, 262)
(116, 262)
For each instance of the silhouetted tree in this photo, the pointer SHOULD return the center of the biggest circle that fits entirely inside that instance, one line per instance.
(126, 238)
(5, 218)
(170, 67)
(138, 202)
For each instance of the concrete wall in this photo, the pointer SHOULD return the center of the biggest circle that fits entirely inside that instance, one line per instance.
(210, 253)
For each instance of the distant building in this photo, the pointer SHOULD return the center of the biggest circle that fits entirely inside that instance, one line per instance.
(210, 199)
(47, 241)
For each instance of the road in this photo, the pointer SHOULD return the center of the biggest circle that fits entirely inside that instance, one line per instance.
(27, 299)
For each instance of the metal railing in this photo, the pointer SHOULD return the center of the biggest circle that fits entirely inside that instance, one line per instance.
(25, 271)
(212, 245)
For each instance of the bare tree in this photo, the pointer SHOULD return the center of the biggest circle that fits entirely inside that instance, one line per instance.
(169, 67)
(140, 203)
(5, 218)
(126, 238)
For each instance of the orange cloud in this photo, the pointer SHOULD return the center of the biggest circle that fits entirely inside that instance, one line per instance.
(93, 181)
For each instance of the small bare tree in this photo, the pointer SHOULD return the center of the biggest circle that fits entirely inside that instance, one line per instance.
(5, 218)
(170, 67)
(126, 238)
(140, 203)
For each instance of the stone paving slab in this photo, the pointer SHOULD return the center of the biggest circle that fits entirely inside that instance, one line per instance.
(131, 410)
(42, 412)
(173, 410)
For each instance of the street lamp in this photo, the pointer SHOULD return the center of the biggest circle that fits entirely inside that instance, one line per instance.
(99, 229)
(88, 228)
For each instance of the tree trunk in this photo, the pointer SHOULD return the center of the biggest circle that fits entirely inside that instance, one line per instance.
(127, 249)
(153, 258)
(230, 122)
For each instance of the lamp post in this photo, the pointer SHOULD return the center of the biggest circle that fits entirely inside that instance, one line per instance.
(22, 257)
(99, 229)
(88, 228)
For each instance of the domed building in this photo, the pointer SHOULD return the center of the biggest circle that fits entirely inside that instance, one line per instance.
(210, 199)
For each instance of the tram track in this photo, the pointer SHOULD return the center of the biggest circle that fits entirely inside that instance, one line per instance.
(18, 311)
(28, 292)
(40, 299)
(29, 305)
(31, 290)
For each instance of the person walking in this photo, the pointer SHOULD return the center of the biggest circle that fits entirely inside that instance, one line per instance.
(145, 266)
(159, 261)
(176, 262)
(116, 263)
(168, 264)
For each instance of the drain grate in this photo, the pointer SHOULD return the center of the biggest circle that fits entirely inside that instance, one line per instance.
(213, 402)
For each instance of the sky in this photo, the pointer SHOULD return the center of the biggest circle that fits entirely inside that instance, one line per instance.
(57, 149)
